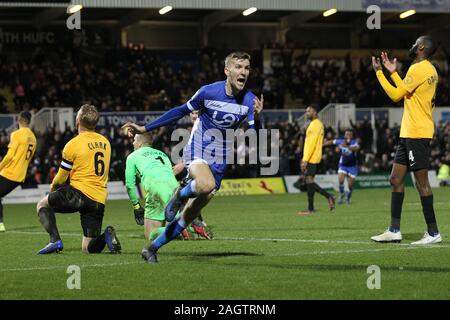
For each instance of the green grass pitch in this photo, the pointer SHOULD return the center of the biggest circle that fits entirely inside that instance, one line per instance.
(262, 250)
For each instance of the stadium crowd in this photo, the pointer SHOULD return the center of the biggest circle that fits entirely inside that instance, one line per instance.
(137, 79)
(126, 79)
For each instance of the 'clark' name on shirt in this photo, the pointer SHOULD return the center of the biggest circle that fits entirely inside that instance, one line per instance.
(97, 145)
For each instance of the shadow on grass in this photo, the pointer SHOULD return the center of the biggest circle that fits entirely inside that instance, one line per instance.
(27, 228)
(214, 254)
(330, 267)
(411, 236)
(227, 254)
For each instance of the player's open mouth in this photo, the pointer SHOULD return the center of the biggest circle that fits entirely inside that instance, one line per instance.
(241, 80)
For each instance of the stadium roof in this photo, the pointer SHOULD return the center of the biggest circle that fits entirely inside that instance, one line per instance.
(208, 18)
(352, 5)
(296, 5)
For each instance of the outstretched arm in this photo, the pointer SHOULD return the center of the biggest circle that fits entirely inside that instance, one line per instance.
(170, 116)
(195, 103)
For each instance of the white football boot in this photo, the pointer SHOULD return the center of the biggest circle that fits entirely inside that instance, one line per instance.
(427, 239)
(388, 236)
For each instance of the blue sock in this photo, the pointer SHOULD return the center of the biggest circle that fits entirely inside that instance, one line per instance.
(349, 194)
(341, 189)
(395, 230)
(172, 231)
(189, 191)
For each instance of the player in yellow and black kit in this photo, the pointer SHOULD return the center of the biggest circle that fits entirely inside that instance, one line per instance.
(14, 166)
(312, 155)
(417, 90)
(85, 160)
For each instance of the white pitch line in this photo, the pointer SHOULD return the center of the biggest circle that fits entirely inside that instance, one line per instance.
(329, 252)
(247, 239)
(419, 203)
(323, 241)
(64, 234)
(291, 240)
(326, 252)
(43, 233)
(220, 238)
(97, 265)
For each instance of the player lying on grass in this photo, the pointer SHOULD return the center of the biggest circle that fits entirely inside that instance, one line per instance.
(85, 159)
(154, 170)
(223, 105)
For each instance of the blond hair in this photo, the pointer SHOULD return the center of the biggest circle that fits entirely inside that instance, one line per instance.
(145, 138)
(88, 116)
(237, 55)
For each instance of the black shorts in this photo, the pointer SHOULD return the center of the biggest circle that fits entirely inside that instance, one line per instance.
(6, 186)
(69, 200)
(311, 169)
(413, 153)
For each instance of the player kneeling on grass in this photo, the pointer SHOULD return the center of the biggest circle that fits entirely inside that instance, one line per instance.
(154, 169)
(86, 160)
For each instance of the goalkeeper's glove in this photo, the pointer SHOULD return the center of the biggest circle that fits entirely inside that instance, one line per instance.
(138, 214)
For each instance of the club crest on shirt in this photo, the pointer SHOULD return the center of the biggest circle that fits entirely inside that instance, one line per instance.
(408, 80)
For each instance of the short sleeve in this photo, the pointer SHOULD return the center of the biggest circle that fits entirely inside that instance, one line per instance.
(198, 100)
(14, 141)
(68, 156)
(354, 143)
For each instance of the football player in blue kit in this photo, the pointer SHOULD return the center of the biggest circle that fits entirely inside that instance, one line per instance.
(348, 166)
(222, 106)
